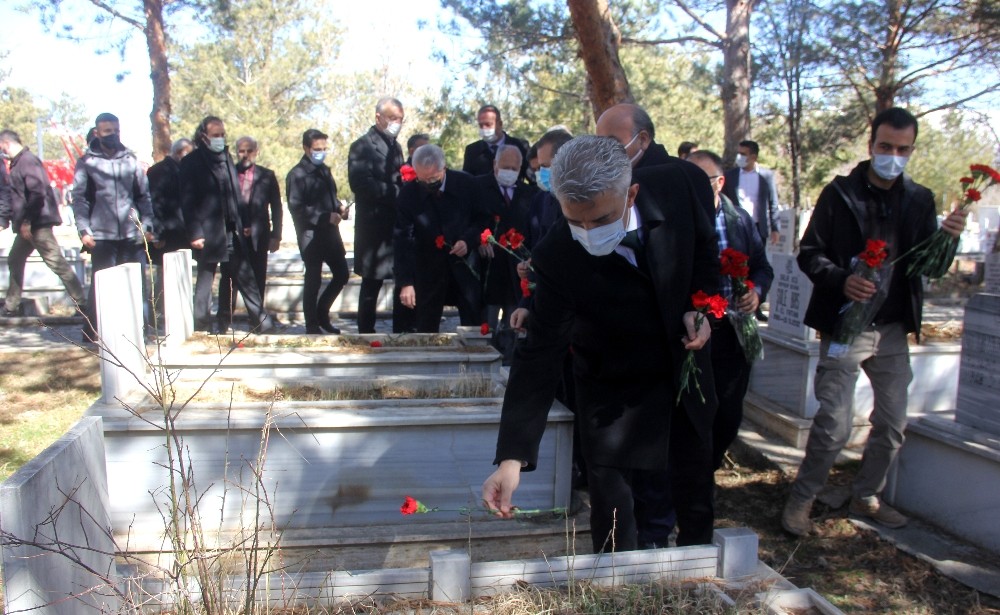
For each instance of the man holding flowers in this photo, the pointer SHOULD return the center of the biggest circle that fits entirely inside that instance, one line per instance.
(875, 202)
(614, 284)
(744, 268)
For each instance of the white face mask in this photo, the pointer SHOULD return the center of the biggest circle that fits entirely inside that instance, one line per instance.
(602, 240)
(488, 134)
(887, 166)
(741, 161)
(635, 157)
(507, 177)
(393, 128)
(217, 144)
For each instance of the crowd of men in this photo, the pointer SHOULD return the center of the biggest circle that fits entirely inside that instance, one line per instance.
(592, 246)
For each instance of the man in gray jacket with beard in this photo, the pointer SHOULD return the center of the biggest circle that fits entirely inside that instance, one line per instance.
(112, 208)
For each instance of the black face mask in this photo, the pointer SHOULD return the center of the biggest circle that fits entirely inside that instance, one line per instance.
(111, 141)
(431, 187)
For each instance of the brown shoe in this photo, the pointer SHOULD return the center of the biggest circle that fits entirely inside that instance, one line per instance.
(795, 517)
(872, 507)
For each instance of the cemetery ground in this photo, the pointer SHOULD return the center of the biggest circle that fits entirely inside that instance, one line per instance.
(43, 392)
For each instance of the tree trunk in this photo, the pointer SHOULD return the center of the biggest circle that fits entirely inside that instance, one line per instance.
(736, 77)
(156, 42)
(599, 42)
(885, 90)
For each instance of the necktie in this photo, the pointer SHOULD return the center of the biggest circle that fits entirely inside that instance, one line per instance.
(631, 240)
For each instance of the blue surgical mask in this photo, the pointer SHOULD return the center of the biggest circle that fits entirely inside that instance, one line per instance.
(318, 157)
(544, 175)
(601, 240)
(887, 166)
(217, 144)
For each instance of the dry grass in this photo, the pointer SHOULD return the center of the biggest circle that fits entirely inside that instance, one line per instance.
(469, 387)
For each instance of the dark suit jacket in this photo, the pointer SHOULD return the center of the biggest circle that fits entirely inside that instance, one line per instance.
(656, 155)
(31, 198)
(312, 197)
(210, 202)
(373, 174)
(501, 282)
(478, 158)
(165, 193)
(624, 328)
(457, 213)
(264, 208)
(765, 210)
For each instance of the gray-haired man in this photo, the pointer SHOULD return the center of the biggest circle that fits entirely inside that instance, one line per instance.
(622, 300)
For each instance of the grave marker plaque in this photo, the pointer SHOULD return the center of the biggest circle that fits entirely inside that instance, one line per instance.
(788, 298)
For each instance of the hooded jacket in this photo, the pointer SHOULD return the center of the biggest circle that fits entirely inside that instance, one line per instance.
(111, 196)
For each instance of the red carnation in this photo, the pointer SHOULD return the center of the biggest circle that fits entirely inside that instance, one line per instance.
(484, 237)
(484, 328)
(734, 263)
(439, 241)
(525, 287)
(986, 170)
(700, 300)
(966, 180)
(376, 344)
(411, 506)
(973, 195)
(717, 305)
(515, 239)
(874, 253)
(749, 284)
(408, 173)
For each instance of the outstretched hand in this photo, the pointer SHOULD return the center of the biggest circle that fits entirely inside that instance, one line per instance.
(500, 486)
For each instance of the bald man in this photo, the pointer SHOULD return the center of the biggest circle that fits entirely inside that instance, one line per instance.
(631, 126)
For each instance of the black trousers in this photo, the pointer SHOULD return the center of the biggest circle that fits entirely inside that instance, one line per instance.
(239, 269)
(684, 493)
(436, 288)
(403, 318)
(227, 298)
(323, 247)
(732, 377)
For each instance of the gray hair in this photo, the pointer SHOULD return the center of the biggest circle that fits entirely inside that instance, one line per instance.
(245, 139)
(180, 144)
(385, 102)
(428, 155)
(506, 148)
(588, 166)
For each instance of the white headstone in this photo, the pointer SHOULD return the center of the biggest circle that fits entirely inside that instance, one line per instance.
(119, 327)
(786, 232)
(978, 376)
(178, 297)
(788, 298)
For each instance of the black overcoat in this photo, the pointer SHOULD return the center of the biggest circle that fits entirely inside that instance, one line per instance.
(373, 174)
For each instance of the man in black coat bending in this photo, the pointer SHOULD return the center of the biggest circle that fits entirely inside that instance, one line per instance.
(438, 224)
(623, 304)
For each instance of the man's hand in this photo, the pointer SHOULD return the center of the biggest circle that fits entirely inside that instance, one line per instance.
(954, 224)
(775, 236)
(518, 319)
(748, 303)
(198, 244)
(159, 244)
(408, 296)
(335, 218)
(88, 242)
(694, 340)
(246, 231)
(486, 250)
(523, 268)
(856, 288)
(274, 245)
(26, 231)
(150, 238)
(460, 249)
(500, 486)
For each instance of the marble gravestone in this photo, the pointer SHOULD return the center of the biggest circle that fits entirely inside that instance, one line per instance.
(788, 298)
(939, 448)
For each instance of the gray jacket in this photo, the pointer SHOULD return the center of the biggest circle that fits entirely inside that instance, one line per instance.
(107, 191)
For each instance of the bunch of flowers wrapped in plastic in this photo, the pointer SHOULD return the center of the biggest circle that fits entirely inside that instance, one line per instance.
(933, 256)
(703, 304)
(856, 316)
(734, 265)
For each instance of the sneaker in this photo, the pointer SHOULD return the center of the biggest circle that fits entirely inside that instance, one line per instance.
(872, 507)
(795, 517)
